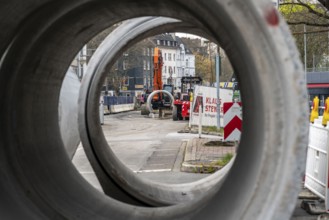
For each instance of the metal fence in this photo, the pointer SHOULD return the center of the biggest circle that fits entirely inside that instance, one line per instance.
(118, 100)
(317, 69)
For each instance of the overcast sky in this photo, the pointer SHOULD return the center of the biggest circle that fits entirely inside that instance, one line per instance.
(187, 35)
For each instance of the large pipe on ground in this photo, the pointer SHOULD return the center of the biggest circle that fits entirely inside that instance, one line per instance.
(68, 112)
(110, 171)
(150, 97)
(38, 181)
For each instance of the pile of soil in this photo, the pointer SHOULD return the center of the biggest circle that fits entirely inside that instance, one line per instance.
(219, 143)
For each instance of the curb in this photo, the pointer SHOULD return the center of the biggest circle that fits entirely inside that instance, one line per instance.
(193, 131)
(199, 168)
(189, 164)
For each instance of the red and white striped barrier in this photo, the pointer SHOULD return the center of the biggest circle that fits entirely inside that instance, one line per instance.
(232, 121)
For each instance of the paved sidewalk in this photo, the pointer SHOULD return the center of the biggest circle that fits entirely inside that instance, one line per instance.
(203, 155)
(199, 158)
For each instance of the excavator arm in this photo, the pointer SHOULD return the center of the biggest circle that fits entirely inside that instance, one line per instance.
(157, 72)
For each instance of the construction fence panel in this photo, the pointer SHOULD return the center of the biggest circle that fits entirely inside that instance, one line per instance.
(316, 178)
(118, 100)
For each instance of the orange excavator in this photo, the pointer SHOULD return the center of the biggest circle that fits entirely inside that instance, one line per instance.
(159, 100)
(157, 73)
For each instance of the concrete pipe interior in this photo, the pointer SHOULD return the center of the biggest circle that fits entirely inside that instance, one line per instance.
(41, 39)
(110, 170)
(68, 108)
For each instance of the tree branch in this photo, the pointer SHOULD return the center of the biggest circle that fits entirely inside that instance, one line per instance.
(311, 10)
(307, 23)
(310, 32)
(325, 3)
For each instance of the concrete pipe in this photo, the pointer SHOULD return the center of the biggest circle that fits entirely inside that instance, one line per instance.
(68, 112)
(110, 171)
(150, 97)
(38, 181)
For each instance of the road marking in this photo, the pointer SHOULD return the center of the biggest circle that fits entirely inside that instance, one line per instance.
(152, 171)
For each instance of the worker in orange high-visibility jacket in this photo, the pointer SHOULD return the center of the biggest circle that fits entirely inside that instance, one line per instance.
(315, 109)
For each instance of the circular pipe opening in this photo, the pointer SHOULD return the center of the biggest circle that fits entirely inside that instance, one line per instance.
(40, 180)
(149, 99)
(111, 168)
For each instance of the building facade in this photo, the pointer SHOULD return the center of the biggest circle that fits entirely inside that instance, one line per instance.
(178, 60)
(132, 73)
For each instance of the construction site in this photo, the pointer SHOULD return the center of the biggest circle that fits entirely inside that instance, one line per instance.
(154, 110)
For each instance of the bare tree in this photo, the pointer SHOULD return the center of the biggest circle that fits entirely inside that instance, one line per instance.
(313, 17)
(325, 3)
(298, 12)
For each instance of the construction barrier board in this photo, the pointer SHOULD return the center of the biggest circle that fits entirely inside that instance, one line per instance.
(207, 97)
(232, 121)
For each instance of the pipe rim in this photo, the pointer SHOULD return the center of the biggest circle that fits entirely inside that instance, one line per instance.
(270, 163)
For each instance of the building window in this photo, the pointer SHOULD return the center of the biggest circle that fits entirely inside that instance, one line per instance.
(165, 69)
(144, 64)
(168, 43)
(126, 80)
(170, 70)
(124, 65)
(165, 58)
(164, 43)
(144, 51)
(148, 51)
(169, 56)
(186, 62)
(158, 42)
(148, 65)
(174, 69)
(174, 57)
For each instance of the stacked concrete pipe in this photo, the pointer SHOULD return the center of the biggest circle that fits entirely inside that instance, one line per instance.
(38, 180)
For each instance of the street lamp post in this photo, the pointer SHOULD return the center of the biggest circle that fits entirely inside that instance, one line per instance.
(305, 51)
(218, 60)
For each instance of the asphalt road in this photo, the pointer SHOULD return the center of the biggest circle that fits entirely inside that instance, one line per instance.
(152, 148)
(143, 144)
